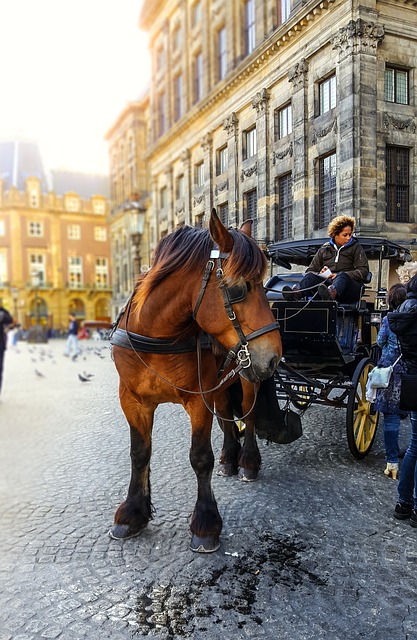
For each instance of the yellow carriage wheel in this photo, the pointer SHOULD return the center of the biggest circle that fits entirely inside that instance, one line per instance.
(361, 419)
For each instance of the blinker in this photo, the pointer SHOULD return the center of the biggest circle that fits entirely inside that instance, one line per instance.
(237, 293)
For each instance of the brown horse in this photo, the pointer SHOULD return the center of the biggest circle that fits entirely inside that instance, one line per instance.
(201, 281)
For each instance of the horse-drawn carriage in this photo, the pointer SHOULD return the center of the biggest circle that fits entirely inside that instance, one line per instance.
(329, 347)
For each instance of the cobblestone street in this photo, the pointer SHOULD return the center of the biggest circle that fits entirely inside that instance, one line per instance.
(311, 550)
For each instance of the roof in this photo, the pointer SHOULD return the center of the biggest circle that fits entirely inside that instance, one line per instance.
(301, 252)
(85, 184)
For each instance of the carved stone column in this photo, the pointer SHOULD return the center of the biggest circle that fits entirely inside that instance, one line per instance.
(230, 124)
(260, 103)
(207, 146)
(298, 77)
(185, 216)
(357, 132)
(170, 197)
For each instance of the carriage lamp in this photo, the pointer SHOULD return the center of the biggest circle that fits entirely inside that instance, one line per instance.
(376, 319)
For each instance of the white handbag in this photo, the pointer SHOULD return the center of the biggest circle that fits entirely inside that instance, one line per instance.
(380, 376)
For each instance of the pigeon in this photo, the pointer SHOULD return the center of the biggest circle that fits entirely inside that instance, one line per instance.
(83, 379)
(39, 373)
(88, 375)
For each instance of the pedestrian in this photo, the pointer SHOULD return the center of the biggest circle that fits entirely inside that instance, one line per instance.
(72, 338)
(388, 400)
(338, 269)
(5, 320)
(403, 323)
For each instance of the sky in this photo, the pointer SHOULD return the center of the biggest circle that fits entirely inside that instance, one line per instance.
(68, 68)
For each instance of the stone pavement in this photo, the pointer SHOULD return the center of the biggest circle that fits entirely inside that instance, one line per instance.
(309, 551)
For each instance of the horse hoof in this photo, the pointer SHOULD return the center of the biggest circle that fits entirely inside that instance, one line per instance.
(122, 532)
(204, 545)
(247, 475)
(226, 470)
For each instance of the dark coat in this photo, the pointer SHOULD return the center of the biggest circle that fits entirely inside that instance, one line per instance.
(403, 323)
(351, 259)
(5, 320)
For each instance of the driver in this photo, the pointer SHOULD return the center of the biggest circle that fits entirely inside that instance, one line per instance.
(339, 268)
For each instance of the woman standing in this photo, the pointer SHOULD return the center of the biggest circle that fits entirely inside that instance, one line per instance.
(404, 324)
(388, 400)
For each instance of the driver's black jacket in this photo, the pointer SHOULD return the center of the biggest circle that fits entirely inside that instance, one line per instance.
(351, 259)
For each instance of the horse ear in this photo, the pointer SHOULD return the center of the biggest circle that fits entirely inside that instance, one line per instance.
(247, 227)
(221, 236)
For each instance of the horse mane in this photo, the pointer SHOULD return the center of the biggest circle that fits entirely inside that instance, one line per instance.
(187, 250)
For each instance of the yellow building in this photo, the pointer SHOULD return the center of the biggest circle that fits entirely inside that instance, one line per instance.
(54, 244)
(286, 112)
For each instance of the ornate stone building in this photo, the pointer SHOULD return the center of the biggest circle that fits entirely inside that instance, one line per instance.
(54, 244)
(288, 112)
(130, 227)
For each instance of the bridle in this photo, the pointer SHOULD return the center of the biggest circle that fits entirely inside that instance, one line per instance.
(231, 295)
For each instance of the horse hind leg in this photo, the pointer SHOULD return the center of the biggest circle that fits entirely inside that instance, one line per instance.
(249, 458)
(135, 512)
(228, 462)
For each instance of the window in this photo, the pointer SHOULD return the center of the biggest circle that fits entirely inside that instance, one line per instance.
(199, 174)
(161, 114)
(72, 203)
(224, 213)
(100, 234)
(177, 38)
(34, 198)
(284, 8)
(327, 94)
(222, 160)
(179, 187)
(160, 59)
(250, 205)
(198, 77)
(283, 122)
(249, 26)
(199, 220)
(75, 272)
(327, 191)
(37, 267)
(36, 229)
(73, 232)
(196, 13)
(249, 143)
(2, 228)
(221, 54)
(163, 199)
(99, 206)
(396, 85)
(178, 97)
(283, 219)
(397, 184)
(102, 273)
(3, 267)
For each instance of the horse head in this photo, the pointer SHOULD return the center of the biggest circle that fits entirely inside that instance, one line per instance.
(235, 309)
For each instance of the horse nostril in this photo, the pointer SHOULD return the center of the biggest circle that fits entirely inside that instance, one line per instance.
(273, 363)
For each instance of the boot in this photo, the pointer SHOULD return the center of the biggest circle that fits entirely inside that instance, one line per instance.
(291, 294)
(327, 293)
(391, 470)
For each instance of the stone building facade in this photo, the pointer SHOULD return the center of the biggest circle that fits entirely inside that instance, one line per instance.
(54, 251)
(287, 112)
(130, 227)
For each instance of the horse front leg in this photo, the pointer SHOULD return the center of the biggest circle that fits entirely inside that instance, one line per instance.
(135, 512)
(249, 458)
(206, 523)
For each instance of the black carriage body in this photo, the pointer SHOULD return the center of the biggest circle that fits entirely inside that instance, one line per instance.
(328, 347)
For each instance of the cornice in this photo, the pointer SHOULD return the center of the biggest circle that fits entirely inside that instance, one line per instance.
(259, 58)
